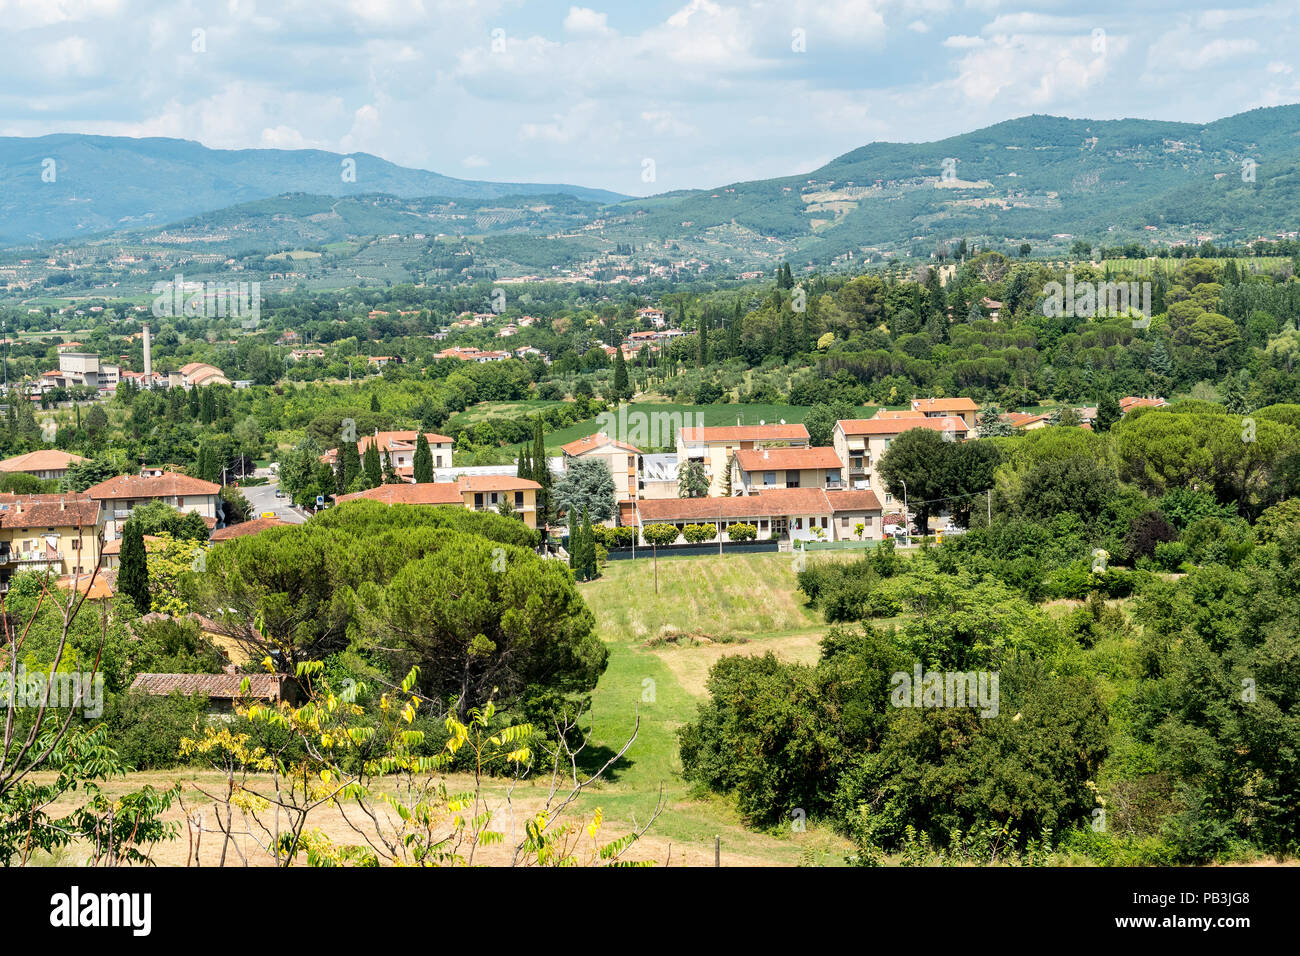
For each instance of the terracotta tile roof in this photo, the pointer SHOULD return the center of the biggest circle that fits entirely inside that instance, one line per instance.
(945, 405)
(713, 433)
(776, 459)
(592, 442)
(48, 511)
(165, 485)
(97, 586)
(896, 426)
(245, 528)
(1132, 401)
(474, 483)
(220, 686)
(43, 459)
(907, 413)
(429, 493)
(853, 500)
(776, 502)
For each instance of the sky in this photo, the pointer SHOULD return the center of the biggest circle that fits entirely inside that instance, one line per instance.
(638, 98)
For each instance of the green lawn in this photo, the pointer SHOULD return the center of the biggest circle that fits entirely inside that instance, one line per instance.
(737, 604)
(711, 415)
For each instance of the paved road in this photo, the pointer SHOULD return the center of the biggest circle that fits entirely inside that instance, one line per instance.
(262, 498)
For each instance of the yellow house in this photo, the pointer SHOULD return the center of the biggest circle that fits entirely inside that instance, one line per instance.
(623, 460)
(860, 443)
(62, 534)
(714, 446)
(477, 493)
(764, 469)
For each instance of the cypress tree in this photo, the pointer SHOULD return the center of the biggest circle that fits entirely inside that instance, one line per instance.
(133, 568)
(371, 467)
(351, 462)
(390, 473)
(541, 472)
(423, 463)
(621, 389)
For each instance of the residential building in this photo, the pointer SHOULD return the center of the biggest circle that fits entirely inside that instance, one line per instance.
(44, 463)
(784, 514)
(860, 442)
(963, 408)
(714, 446)
(59, 533)
(121, 495)
(622, 459)
(658, 477)
(763, 469)
(1130, 402)
(400, 446)
(475, 492)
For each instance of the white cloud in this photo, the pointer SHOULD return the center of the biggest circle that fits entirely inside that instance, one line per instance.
(584, 20)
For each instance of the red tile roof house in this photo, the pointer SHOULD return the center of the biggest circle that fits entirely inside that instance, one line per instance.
(222, 690)
(964, 408)
(860, 443)
(119, 497)
(400, 446)
(714, 446)
(765, 469)
(784, 514)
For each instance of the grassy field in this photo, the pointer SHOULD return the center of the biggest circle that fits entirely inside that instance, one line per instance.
(711, 415)
(708, 607)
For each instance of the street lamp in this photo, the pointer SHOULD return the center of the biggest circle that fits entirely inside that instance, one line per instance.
(907, 526)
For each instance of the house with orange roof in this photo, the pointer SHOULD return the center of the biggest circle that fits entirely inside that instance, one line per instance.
(964, 408)
(121, 495)
(400, 446)
(764, 469)
(57, 533)
(622, 459)
(782, 514)
(474, 492)
(1130, 402)
(714, 446)
(860, 443)
(45, 463)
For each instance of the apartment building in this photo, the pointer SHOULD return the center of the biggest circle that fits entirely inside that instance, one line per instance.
(963, 408)
(59, 534)
(860, 443)
(783, 514)
(622, 459)
(475, 492)
(714, 446)
(400, 446)
(121, 495)
(765, 469)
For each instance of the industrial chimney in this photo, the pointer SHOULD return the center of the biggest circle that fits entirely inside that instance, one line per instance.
(148, 359)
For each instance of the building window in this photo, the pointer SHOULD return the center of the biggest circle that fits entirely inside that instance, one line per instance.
(478, 499)
(519, 499)
(792, 479)
(769, 477)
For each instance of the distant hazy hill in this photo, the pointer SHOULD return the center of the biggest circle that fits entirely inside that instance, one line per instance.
(103, 183)
(1031, 178)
